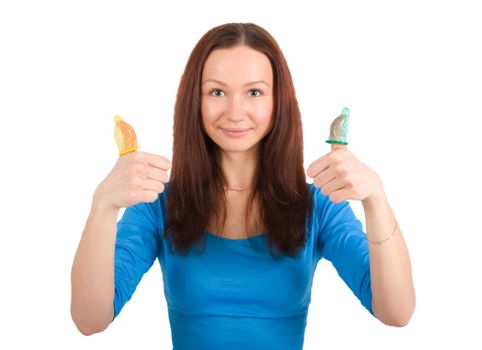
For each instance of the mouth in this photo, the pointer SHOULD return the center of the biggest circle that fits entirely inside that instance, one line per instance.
(235, 132)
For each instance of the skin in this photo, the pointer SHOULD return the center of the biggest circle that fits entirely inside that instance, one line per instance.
(233, 101)
(342, 176)
(230, 102)
(136, 177)
(139, 177)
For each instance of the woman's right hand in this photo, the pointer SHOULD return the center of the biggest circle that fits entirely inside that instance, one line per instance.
(136, 177)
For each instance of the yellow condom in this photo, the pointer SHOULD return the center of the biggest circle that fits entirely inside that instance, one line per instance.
(125, 136)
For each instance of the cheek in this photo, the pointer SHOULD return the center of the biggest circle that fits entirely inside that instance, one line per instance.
(210, 111)
(262, 112)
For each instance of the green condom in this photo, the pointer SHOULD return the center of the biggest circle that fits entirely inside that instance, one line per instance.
(339, 128)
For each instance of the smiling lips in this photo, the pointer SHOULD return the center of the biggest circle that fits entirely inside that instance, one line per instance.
(235, 132)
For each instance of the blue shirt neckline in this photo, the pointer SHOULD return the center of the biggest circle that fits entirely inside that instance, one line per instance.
(259, 235)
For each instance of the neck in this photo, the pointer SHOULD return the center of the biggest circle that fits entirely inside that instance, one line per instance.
(239, 168)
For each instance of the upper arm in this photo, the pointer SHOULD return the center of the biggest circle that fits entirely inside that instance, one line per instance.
(136, 248)
(343, 242)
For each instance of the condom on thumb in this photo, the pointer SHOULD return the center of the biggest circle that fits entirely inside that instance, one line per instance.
(339, 130)
(125, 136)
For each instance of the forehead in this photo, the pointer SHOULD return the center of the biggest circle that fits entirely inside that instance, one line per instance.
(240, 63)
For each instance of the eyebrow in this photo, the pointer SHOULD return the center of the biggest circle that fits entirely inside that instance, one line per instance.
(250, 83)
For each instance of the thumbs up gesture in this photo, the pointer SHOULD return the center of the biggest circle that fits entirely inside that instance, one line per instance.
(339, 174)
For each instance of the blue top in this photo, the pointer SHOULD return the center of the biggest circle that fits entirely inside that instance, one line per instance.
(235, 295)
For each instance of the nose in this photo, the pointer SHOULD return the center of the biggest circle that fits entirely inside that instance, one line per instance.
(236, 110)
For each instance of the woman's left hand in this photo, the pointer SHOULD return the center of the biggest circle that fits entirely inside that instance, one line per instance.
(341, 176)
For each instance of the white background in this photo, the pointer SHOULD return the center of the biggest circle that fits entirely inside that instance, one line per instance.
(409, 71)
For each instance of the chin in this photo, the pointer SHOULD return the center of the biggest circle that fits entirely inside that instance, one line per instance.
(241, 147)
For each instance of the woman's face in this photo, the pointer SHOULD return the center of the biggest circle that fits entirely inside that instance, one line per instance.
(237, 97)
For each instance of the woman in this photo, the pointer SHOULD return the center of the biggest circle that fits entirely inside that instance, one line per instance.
(238, 192)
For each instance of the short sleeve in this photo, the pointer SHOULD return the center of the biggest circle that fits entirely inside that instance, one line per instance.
(343, 242)
(136, 248)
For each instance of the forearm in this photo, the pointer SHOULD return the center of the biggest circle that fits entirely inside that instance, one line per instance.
(93, 272)
(393, 295)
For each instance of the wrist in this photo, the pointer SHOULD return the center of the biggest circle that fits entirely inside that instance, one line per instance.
(103, 207)
(376, 199)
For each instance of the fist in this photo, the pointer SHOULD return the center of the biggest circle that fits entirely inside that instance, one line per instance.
(136, 177)
(341, 176)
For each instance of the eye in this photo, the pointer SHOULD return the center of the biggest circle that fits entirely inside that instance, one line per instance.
(256, 90)
(215, 91)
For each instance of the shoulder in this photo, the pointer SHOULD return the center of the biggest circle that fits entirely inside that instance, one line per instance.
(146, 214)
(324, 207)
(321, 202)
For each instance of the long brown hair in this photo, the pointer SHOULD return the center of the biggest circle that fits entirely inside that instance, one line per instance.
(195, 191)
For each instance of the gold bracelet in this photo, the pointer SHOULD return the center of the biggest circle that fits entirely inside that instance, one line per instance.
(386, 239)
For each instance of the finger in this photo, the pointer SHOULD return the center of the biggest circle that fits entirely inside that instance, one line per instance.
(324, 177)
(152, 185)
(335, 146)
(332, 186)
(156, 160)
(156, 174)
(318, 166)
(340, 195)
(148, 196)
